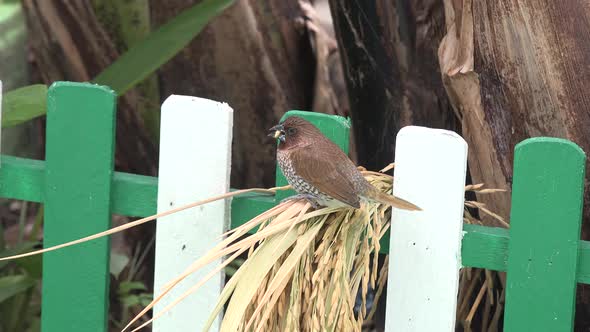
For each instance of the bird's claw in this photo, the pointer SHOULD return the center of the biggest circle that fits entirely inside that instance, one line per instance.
(308, 198)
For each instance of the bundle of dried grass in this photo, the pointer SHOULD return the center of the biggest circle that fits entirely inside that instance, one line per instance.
(304, 267)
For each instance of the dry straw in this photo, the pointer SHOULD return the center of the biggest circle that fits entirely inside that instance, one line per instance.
(305, 267)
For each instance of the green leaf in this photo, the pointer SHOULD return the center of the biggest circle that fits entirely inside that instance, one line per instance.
(127, 286)
(160, 46)
(23, 104)
(230, 270)
(145, 299)
(12, 285)
(18, 249)
(33, 265)
(142, 299)
(130, 301)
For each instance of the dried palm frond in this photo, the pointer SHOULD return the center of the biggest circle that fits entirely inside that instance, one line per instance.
(305, 269)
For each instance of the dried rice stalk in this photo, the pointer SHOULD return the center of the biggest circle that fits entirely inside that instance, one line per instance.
(309, 266)
(305, 269)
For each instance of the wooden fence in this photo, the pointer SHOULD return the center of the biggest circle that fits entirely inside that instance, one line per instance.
(542, 251)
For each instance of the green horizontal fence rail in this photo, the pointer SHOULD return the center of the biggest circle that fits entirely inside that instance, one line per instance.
(80, 190)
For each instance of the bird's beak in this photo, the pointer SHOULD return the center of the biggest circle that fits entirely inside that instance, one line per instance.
(277, 132)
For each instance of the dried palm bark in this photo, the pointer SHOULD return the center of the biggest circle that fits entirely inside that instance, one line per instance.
(391, 60)
(389, 54)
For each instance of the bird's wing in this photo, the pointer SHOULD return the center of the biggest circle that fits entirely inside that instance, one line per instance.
(325, 169)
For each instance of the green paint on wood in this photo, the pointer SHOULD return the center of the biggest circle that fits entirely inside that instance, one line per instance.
(244, 208)
(134, 195)
(79, 168)
(22, 178)
(547, 196)
(484, 247)
(335, 127)
(385, 242)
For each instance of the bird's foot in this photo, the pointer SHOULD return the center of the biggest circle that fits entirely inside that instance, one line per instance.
(310, 198)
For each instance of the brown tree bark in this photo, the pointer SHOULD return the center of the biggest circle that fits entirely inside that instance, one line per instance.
(390, 60)
(67, 42)
(256, 58)
(514, 70)
(389, 51)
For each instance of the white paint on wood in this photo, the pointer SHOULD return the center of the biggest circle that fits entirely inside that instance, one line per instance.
(195, 157)
(425, 246)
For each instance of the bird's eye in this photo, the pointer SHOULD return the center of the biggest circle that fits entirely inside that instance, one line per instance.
(291, 131)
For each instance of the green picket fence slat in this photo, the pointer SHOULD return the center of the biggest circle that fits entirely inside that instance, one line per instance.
(78, 171)
(546, 216)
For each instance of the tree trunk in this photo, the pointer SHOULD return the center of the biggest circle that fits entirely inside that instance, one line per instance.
(68, 43)
(128, 22)
(389, 54)
(513, 70)
(389, 51)
(253, 57)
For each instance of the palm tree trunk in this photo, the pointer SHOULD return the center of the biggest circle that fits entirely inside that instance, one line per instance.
(389, 52)
(514, 70)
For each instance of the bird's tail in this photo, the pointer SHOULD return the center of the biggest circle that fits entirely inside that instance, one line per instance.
(391, 200)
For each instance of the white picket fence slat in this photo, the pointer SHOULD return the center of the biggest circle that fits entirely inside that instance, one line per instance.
(195, 157)
(425, 246)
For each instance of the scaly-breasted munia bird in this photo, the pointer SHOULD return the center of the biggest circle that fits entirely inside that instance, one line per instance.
(320, 172)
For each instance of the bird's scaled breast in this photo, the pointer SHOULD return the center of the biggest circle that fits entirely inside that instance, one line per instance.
(300, 185)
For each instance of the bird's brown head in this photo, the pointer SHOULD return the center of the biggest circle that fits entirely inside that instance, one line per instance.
(293, 132)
